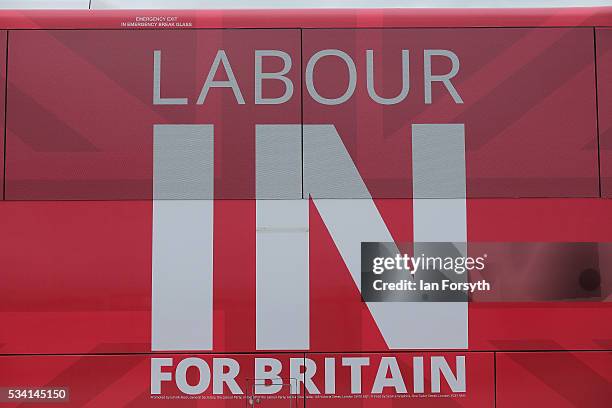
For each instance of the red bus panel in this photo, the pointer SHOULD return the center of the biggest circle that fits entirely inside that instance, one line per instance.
(61, 150)
(95, 292)
(304, 133)
(511, 75)
(565, 379)
(511, 86)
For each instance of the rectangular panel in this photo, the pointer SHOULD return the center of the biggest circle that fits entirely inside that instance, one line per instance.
(604, 83)
(164, 380)
(563, 379)
(182, 275)
(183, 162)
(526, 97)
(283, 280)
(278, 161)
(482, 84)
(227, 380)
(438, 183)
(438, 161)
(82, 126)
(400, 379)
(439, 215)
(572, 325)
(77, 278)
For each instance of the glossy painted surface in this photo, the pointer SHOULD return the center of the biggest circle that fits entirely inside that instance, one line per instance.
(80, 230)
(510, 86)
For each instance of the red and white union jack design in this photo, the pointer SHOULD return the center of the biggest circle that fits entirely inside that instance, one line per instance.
(203, 193)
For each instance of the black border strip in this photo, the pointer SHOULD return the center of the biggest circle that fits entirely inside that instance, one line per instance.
(597, 110)
(6, 79)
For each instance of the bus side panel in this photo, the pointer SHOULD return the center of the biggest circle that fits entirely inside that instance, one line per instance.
(77, 278)
(604, 82)
(559, 379)
(82, 110)
(107, 152)
(571, 325)
(461, 379)
(526, 98)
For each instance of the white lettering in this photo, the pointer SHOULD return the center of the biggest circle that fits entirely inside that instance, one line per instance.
(280, 76)
(352, 72)
(221, 59)
(445, 79)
